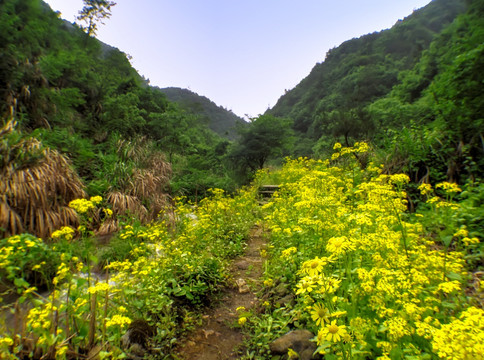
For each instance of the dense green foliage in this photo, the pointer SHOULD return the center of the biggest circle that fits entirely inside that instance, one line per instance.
(266, 137)
(439, 104)
(83, 96)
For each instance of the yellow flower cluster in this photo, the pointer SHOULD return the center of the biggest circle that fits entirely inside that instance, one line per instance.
(358, 147)
(365, 268)
(82, 206)
(5, 344)
(463, 338)
(96, 200)
(118, 320)
(289, 251)
(99, 287)
(449, 187)
(65, 232)
(41, 318)
(20, 254)
(425, 188)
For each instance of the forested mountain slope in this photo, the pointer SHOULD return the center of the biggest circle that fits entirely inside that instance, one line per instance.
(361, 70)
(218, 119)
(77, 120)
(83, 98)
(414, 90)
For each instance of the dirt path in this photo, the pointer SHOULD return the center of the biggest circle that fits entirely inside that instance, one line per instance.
(217, 339)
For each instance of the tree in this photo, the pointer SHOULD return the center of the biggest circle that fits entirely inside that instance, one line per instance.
(266, 137)
(93, 12)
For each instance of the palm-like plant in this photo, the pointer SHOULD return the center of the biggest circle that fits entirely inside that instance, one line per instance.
(139, 182)
(36, 186)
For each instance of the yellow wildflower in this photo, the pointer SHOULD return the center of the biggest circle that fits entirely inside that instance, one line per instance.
(118, 320)
(332, 332)
(268, 282)
(449, 187)
(81, 206)
(468, 329)
(96, 199)
(339, 245)
(289, 251)
(449, 287)
(292, 354)
(319, 314)
(304, 286)
(65, 232)
(314, 267)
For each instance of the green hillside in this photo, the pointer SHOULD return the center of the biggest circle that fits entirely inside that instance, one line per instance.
(79, 119)
(222, 121)
(412, 90)
(363, 69)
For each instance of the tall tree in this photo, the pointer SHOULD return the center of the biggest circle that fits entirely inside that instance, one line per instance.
(266, 137)
(94, 12)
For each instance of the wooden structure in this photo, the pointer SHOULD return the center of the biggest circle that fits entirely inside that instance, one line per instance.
(266, 191)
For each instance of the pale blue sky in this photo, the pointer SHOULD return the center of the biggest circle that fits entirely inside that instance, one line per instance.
(242, 54)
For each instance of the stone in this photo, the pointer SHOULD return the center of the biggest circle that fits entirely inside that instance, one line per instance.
(135, 340)
(242, 265)
(297, 340)
(243, 287)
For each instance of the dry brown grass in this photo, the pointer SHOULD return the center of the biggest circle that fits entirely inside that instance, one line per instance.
(145, 193)
(36, 184)
(127, 204)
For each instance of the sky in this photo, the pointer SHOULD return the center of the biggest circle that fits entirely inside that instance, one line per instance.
(241, 54)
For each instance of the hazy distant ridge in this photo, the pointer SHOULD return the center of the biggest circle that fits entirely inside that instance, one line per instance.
(218, 119)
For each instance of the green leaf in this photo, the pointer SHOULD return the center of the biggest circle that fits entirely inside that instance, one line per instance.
(21, 283)
(454, 276)
(447, 240)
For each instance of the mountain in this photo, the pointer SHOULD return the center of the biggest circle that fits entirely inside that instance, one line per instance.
(414, 91)
(218, 119)
(363, 69)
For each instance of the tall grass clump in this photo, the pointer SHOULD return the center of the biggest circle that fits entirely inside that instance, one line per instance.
(36, 186)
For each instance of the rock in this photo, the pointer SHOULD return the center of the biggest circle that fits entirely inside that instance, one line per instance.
(243, 287)
(287, 300)
(135, 340)
(297, 340)
(207, 333)
(136, 351)
(242, 265)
